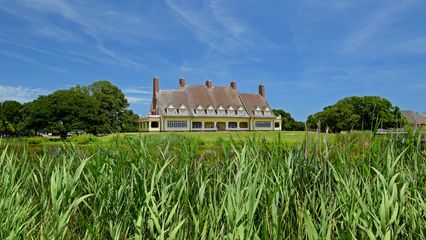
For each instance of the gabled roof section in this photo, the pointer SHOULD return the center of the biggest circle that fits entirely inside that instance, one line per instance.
(176, 98)
(254, 103)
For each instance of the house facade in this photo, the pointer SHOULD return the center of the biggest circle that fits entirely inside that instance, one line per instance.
(208, 108)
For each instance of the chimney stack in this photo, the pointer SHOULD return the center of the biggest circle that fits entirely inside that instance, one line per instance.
(182, 82)
(155, 90)
(234, 85)
(209, 84)
(262, 90)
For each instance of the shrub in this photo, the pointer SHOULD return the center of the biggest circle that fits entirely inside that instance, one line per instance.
(37, 140)
(84, 139)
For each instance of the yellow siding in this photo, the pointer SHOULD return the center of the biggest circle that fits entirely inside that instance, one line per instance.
(218, 123)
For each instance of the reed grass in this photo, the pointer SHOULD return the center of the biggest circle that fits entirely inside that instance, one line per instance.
(358, 186)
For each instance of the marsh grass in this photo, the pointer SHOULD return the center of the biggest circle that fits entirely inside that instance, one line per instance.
(358, 186)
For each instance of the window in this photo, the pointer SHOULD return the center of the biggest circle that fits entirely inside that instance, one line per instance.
(154, 124)
(209, 125)
(177, 124)
(196, 125)
(243, 124)
(232, 125)
(277, 125)
(263, 124)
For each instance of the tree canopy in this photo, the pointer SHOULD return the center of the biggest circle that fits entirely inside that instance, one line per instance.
(358, 113)
(10, 117)
(288, 122)
(61, 112)
(112, 112)
(97, 108)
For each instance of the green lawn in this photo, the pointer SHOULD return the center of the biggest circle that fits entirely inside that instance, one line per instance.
(292, 137)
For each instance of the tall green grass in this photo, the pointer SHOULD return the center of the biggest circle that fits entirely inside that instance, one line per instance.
(358, 186)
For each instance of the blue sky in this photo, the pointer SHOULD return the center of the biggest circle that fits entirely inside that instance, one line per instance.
(309, 54)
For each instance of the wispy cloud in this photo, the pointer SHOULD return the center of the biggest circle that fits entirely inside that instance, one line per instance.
(138, 90)
(225, 18)
(100, 22)
(374, 25)
(44, 51)
(30, 61)
(217, 27)
(411, 46)
(138, 100)
(20, 93)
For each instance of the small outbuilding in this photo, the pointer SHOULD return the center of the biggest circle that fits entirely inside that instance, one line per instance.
(415, 119)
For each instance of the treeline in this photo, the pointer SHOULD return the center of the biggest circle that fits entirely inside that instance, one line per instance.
(358, 113)
(97, 108)
(351, 113)
(102, 108)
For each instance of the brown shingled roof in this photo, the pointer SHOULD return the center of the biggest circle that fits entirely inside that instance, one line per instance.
(414, 118)
(193, 96)
(255, 102)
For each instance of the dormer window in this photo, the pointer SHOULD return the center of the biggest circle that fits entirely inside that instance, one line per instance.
(258, 111)
(210, 110)
(267, 111)
(231, 111)
(240, 111)
(182, 109)
(220, 110)
(199, 110)
(170, 109)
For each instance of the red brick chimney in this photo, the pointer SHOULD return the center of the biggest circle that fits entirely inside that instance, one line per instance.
(209, 83)
(234, 85)
(155, 90)
(182, 82)
(262, 90)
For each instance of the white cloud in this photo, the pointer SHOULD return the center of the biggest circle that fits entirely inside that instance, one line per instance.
(30, 61)
(138, 90)
(20, 93)
(217, 27)
(100, 22)
(377, 23)
(138, 100)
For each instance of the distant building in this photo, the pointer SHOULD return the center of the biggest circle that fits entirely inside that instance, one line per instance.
(208, 108)
(415, 119)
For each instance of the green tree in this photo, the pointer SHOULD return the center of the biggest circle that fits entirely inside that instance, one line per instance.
(10, 117)
(288, 122)
(128, 121)
(61, 112)
(358, 113)
(112, 104)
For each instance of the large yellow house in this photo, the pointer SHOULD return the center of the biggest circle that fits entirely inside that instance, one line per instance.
(208, 108)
